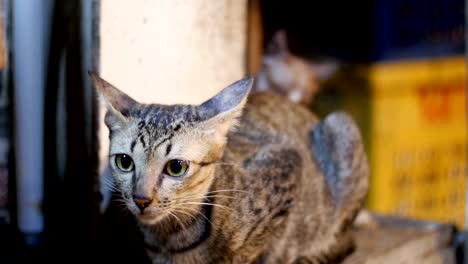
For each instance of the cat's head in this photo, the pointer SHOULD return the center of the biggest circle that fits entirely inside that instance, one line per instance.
(289, 75)
(162, 154)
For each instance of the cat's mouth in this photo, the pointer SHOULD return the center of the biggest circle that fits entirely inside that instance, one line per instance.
(152, 214)
(150, 217)
(145, 217)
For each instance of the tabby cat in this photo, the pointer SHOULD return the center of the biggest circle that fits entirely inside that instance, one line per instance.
(238, 178)
(290, 75)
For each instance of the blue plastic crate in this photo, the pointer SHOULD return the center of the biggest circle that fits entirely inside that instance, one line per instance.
(407, 29)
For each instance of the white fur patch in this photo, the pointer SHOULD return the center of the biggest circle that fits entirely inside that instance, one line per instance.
(295, 96)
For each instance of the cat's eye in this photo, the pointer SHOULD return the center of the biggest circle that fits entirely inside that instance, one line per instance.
(176, 168)
(124, 162)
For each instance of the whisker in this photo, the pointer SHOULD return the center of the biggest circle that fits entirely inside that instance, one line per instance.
(178, 219)
(120, 202)
(111, 186)
(124, 210)
(225, 163)
(213, 192)
(210, 194)
(204, 196)
(198, 211)
(213, 204)
(182, 211)
(108, 181)
(121, 205)
(227, 190)
(120, 199)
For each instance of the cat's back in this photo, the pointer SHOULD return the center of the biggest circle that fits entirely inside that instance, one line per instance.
(275, 114)
(270, 151)
(271, 123)
(280, 155)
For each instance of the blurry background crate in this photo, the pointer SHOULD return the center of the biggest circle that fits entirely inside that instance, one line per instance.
(412, 114)
(418, 135)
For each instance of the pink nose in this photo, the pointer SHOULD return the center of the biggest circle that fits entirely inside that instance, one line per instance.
(142, 202)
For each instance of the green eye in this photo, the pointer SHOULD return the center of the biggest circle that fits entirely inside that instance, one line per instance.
(176, 168)
(124, 162)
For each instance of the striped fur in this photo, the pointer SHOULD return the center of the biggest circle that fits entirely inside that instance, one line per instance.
(281, 188)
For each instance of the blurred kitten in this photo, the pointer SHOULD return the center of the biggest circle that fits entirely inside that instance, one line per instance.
(289, 75)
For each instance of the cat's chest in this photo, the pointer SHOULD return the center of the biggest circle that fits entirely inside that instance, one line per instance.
(212, 250)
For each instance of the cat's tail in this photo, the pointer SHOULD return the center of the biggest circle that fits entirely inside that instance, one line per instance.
(338, 149)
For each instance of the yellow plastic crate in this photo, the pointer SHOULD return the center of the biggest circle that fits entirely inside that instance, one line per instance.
(418, 139)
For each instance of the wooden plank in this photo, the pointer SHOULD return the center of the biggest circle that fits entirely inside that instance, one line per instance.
(255, 37)
(396, 240)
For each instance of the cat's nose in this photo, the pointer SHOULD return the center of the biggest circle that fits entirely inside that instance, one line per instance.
(142, 202)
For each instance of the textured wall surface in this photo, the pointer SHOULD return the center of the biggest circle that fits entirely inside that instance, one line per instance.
(171, 51)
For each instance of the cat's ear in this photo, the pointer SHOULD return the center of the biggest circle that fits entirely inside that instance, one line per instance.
(278, 44)
(118, 103)
(221, 111)
(323, 70)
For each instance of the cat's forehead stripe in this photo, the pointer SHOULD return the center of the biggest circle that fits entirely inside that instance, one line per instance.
(142, 140)
(161, 141)
(132, 145)
(168, 148)
(158, 124)
(161, 115)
